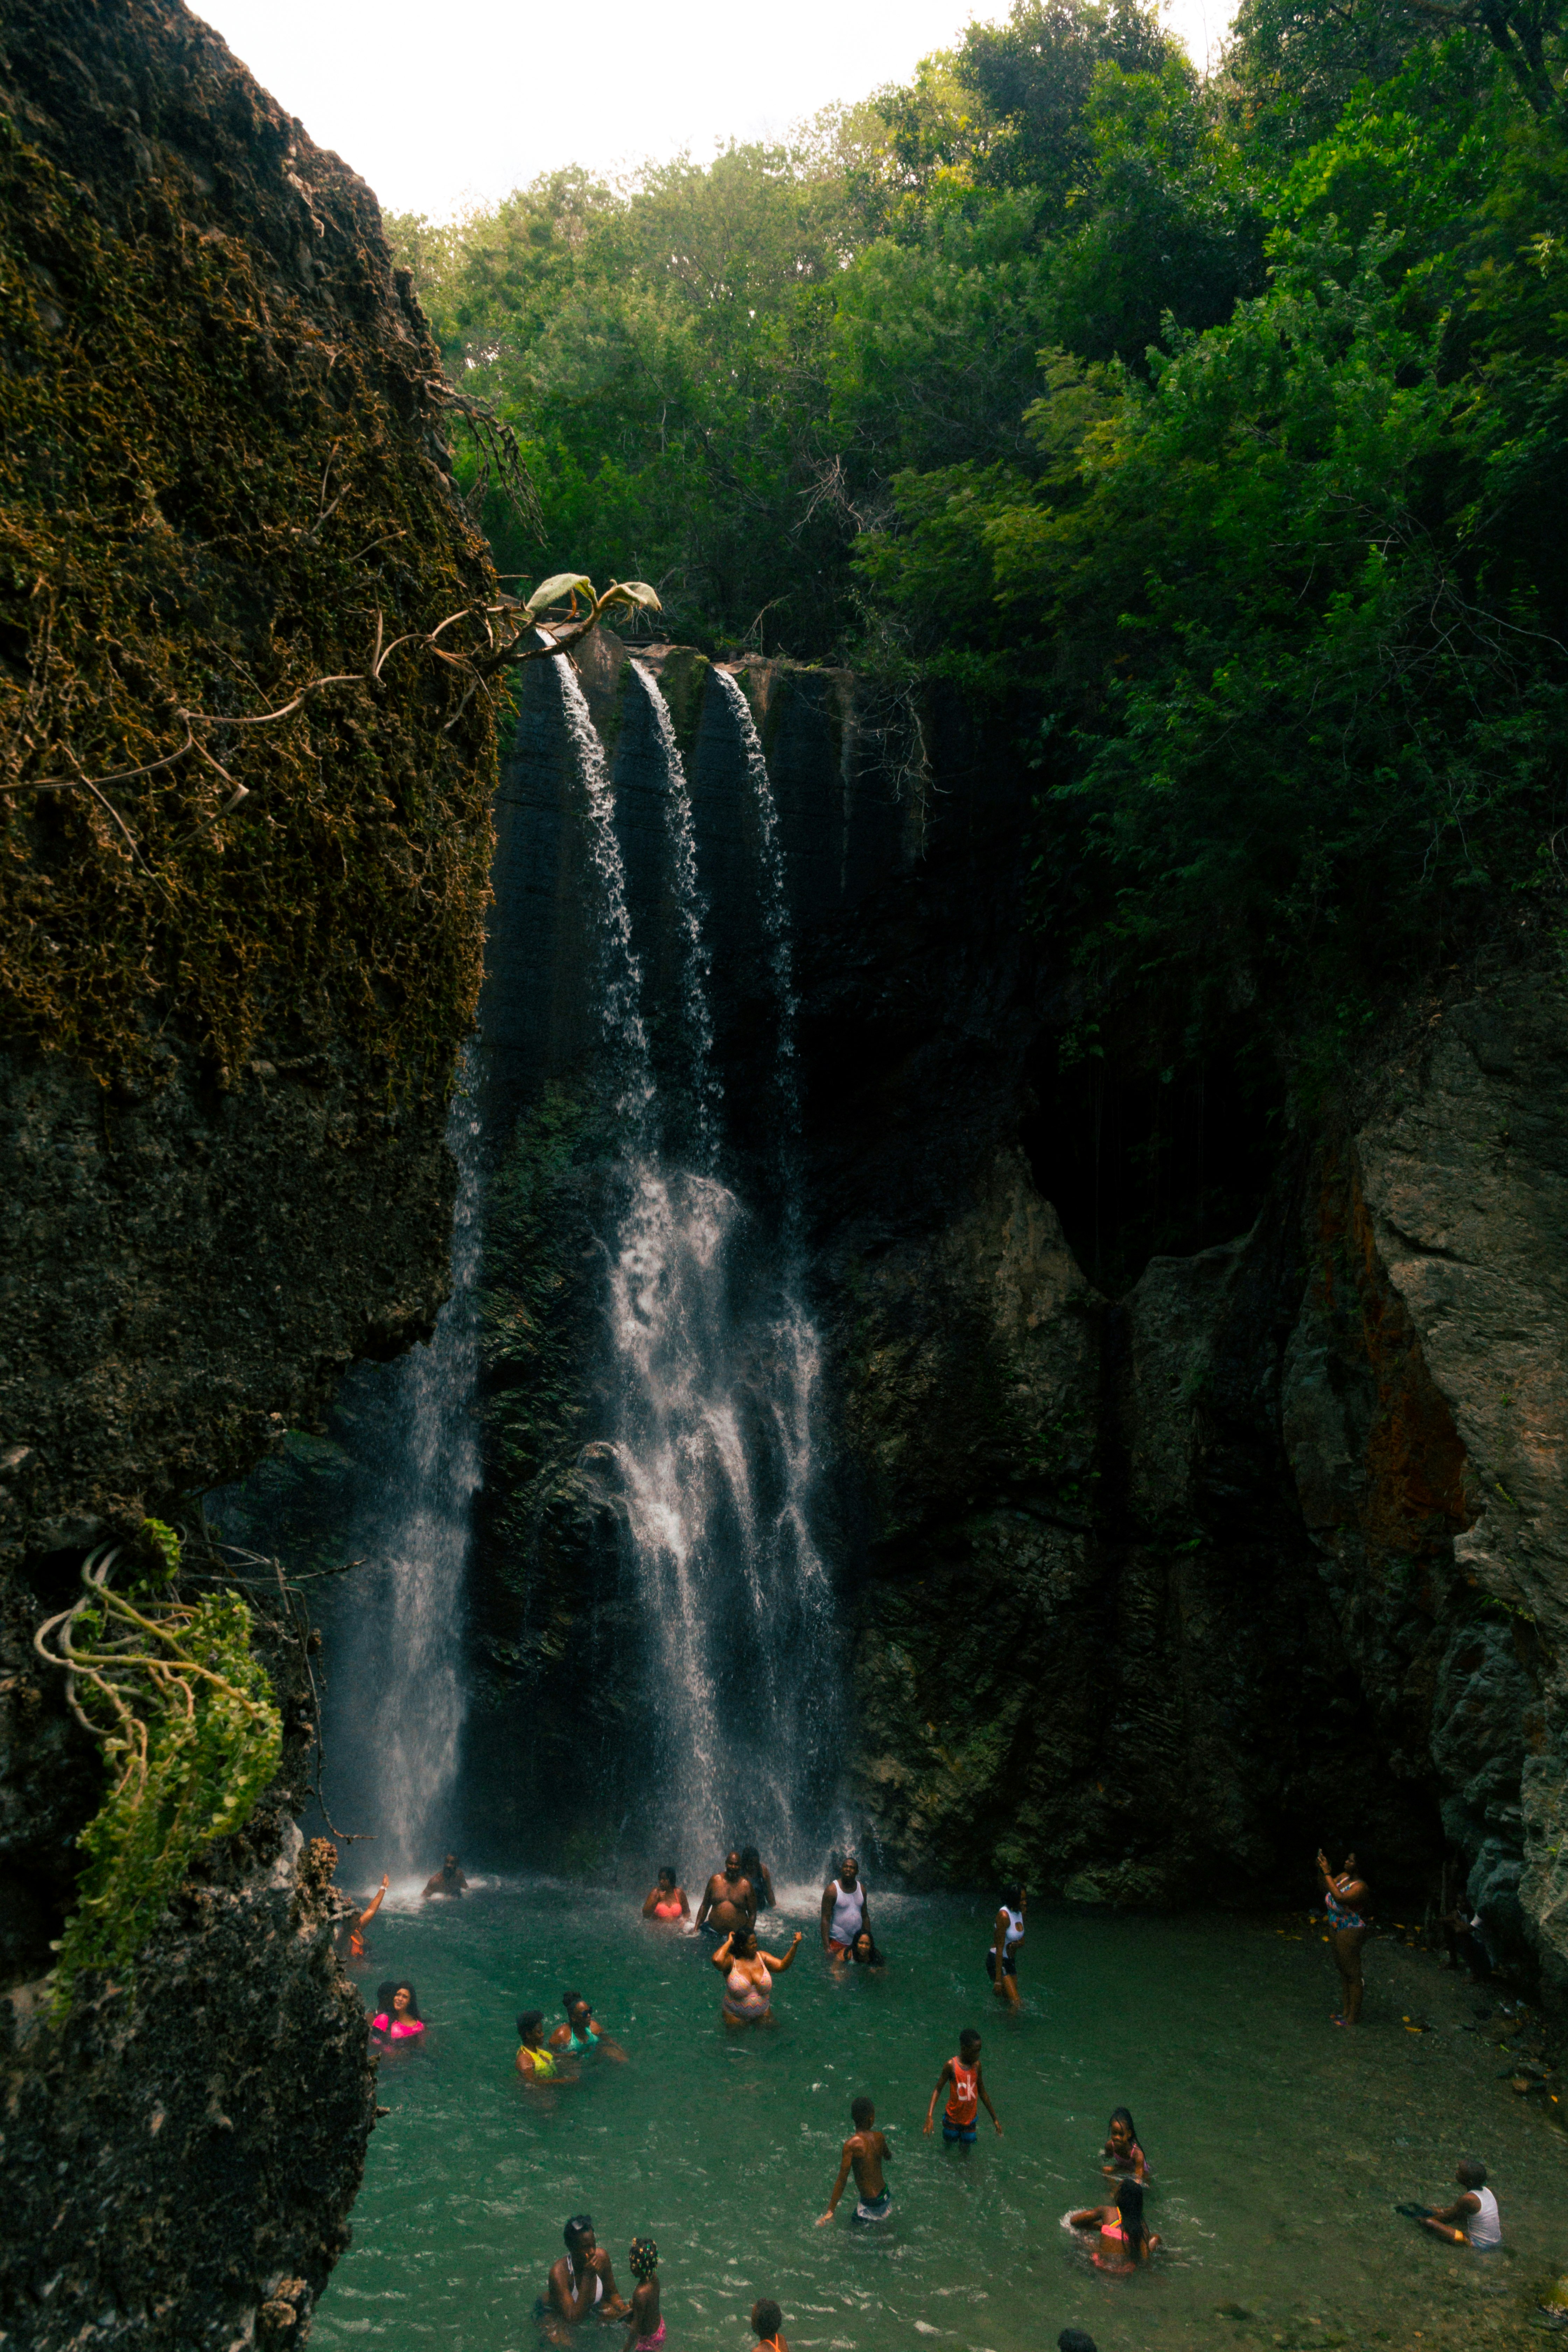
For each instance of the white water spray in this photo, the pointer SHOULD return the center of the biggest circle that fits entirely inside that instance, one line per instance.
(716, 1368)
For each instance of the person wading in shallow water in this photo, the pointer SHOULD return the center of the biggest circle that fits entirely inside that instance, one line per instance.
(449, 1879)
(667, 1900)
(864, 2151)
(728, 1900)
(1006, 1935)
(748, 1985)
(1345, 1895)
(581, 2283)
(845, 1910)
(357, 1927)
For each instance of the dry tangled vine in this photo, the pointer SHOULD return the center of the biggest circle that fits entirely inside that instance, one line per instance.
(505, 632)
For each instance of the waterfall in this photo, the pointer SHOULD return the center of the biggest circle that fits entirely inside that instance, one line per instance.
(714, 1367)
(431, 1472)
(696, 1015)
(776, 922)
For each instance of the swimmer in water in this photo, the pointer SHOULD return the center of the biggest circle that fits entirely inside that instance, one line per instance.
(536, 2062)
(1124, 2159)
(582, 2282)
(864, 2153)
(864, 1952)
(667, 1900)
(845, 1909)
(757, 1871)
(728, 1900)
(748, 1985)
(767, 2320)
(644, 2318)
(1125, 2237)
(448, 1880)
(398, 2017)
(1344, 1899)
(1472, 2220)
(357, 1927)
(959, 2120)
(583, 2033)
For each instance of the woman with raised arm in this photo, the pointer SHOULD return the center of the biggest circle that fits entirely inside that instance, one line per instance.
(749, 1977)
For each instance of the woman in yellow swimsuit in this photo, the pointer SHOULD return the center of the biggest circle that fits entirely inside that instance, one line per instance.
(536, 2062)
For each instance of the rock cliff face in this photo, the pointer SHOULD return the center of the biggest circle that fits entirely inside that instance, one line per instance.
(1278, 1531)
(236, 962)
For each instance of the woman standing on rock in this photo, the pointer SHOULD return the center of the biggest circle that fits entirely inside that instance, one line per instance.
(1343, 1896)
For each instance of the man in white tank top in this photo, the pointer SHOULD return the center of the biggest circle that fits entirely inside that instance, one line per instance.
(1472, 2219)
(845, 1910)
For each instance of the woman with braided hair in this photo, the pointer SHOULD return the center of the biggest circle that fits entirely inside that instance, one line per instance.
(644, 2318)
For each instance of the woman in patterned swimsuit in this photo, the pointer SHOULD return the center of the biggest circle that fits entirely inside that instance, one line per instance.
(1343, 1895)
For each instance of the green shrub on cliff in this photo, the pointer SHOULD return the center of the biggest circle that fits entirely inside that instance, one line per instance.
(190, 1734)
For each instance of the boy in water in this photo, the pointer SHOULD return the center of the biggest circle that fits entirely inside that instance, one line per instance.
(766, 2321)
(967, 2096)
(867, 2150)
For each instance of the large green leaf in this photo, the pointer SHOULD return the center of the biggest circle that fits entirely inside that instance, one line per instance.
(558, 587)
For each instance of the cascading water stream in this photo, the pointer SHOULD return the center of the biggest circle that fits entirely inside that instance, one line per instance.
(420, 1541)
(715, 1367)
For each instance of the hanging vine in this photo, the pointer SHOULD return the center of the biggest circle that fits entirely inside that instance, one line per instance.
(185, 1719)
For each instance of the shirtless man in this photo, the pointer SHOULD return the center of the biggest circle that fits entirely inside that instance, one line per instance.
(448, 1880)
(728, 1902)
(864, 2151)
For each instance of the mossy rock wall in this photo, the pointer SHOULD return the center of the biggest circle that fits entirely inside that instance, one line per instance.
(228, 1028)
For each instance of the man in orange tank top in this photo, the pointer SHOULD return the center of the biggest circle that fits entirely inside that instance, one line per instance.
(966, 2095)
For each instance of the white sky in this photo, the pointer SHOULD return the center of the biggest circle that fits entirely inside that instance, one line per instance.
(436, 108)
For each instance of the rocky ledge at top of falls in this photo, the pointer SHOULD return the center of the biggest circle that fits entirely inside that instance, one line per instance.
(226, 1043)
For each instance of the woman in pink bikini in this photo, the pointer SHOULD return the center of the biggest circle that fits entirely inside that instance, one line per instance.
(667, 1900)
(1125, 2237)
(398, 2017)
(748, 1985)
(644, 2318)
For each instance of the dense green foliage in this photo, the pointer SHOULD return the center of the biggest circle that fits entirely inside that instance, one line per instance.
(1213, 431)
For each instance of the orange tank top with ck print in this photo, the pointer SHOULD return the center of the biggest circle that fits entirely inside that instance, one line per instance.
(964, 2100)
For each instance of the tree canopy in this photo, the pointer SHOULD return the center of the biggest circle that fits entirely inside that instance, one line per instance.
(1210, 431)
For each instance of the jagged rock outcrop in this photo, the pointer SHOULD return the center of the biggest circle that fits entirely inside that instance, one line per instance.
(236, 962)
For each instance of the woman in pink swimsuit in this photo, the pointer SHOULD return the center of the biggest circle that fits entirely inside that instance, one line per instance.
(398, 2017)
(748, 1985)
(667, 1900)
(1125, 2237)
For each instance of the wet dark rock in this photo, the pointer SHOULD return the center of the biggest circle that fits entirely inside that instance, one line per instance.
(196, 1238)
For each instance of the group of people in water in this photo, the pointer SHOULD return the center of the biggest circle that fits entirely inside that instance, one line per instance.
(1114, 2230)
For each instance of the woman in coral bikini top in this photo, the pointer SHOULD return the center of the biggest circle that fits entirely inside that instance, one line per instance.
(667, 1900)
